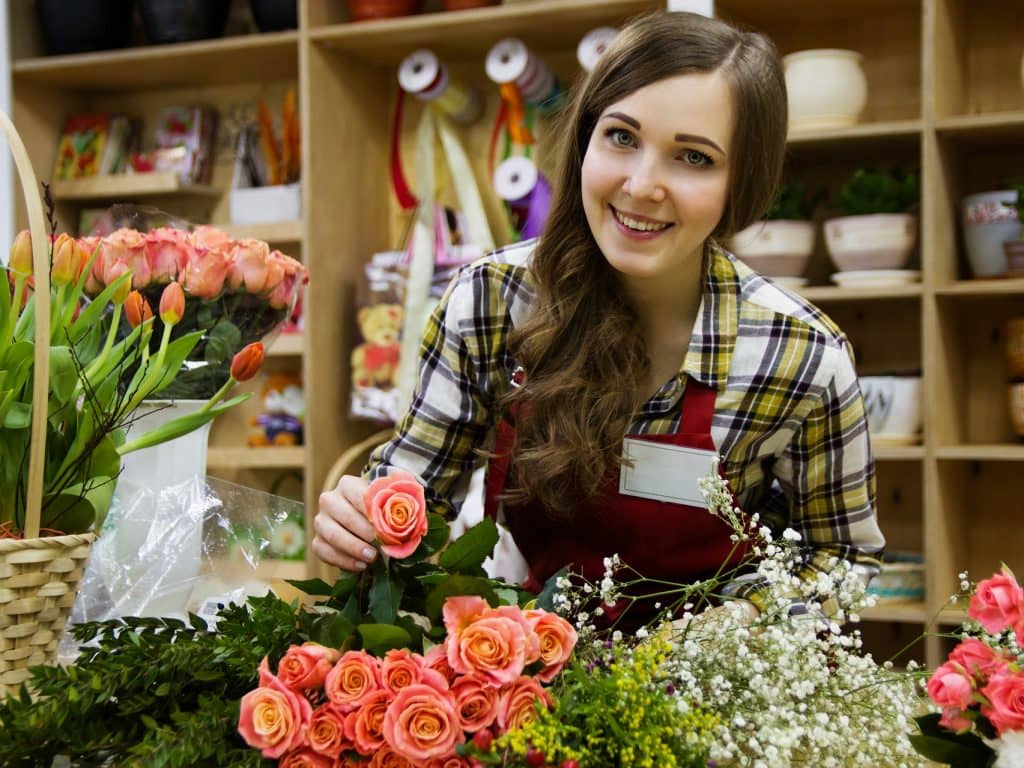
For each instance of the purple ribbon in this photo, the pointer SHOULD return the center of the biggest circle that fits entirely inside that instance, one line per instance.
(532, 209)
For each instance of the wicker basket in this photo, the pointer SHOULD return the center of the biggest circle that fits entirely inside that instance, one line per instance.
(38, 576)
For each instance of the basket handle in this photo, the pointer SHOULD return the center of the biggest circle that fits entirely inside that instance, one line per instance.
(41, 370)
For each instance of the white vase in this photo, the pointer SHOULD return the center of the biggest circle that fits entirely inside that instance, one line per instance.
(776, 248)
(827, 88)
(152, 540)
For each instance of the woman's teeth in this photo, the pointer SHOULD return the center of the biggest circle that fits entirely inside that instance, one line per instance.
(639, 226)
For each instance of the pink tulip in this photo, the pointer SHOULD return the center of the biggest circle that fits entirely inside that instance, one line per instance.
(172, 304)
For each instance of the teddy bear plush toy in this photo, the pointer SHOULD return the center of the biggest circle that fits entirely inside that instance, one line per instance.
(284, 408)
(375, 360)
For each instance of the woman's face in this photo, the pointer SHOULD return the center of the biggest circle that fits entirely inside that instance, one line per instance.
(655, 174)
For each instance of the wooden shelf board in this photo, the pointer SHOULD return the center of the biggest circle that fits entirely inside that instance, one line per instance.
(127, 186)
(969, 127)
(271, 231)
(286, 345)
(242, 58)
(898, 452)
(982, 288)
(543, 26)
(824, 293)
(980, 452)
(864, 131)
(243, 457)
(911, 613)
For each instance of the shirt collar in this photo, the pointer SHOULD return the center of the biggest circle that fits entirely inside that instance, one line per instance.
(713, 339)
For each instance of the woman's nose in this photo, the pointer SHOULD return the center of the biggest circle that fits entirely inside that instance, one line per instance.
(643, 181)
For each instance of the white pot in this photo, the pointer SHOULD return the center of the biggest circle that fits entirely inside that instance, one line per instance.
(778, 248)
(989, 220)
(873, 241)
(827, 88)
(893, 405)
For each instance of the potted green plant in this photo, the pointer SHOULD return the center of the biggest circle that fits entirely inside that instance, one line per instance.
(780, 245)
(876, 229)
(1014, 249)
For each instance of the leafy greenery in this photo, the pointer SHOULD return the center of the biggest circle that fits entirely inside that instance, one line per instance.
(793, 201)
(1018, 201)
(870, 191)
(964, 750)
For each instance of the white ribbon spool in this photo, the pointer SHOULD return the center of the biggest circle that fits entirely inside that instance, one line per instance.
(593, 45)
(418, 71)
(515, 178)
(507, 61)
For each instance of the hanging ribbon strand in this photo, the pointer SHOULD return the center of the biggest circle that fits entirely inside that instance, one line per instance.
(593, 45)
(511, 62)
(527, 192)
(423, 75)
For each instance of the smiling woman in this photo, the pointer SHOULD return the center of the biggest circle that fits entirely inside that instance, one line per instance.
(604, 367)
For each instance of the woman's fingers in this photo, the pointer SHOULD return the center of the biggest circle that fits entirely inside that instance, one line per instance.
(343, 536)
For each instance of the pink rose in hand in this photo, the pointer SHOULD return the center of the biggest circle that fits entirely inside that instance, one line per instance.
(950, 686)
(168, 252)
(518, 703)
(998, 602)
(421, 723)
(396, 506)
(304, 667)
(128, 246)
(557, 641)
(273, 718)
(1005, 694)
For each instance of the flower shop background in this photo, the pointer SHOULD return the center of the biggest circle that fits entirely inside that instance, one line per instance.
(944, 97)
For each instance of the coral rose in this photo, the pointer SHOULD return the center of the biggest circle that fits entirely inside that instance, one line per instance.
(128, 246)
(452, 761)
(998, 602)
(557, 640)
(368, 734)
(1005, 694)
(400, 668)
(386, 757)
(951, 686)
(421, 723)
(168, 252)
(493, 645)
(354, 677)
(205, 273)
(437, 659)
(476, 702)
(293, 277)
(518, 703)
(209, 238)
(273, 718)
(249, 267)
(305, 758)
(396, 507)
(305, 666)
(326, 733)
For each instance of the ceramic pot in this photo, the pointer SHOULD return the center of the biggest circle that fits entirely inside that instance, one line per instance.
(778, 248)
(462, 5)
(275, 15)
(893, 406)
(1013, 347)
(989, 220)
(364, 10)
(179, 21)
(1016, 403)
(873, 241)
(1014, 250)
(827, 88)
(88, 25)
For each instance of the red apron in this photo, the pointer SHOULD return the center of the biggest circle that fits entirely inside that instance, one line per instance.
(660, 539)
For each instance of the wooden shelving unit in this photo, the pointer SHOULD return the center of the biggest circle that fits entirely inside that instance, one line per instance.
(944, 96)
(129, 187)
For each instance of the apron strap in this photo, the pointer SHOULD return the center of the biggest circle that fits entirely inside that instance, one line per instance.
(498, 466)
(697, 408)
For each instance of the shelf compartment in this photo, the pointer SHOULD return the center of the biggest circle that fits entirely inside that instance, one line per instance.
(243, 457)
(128, 186)
(244, 58)
(883, 452)
(862, 132)
(835, 293)
(995, 125)
(542, 26)
(975, 289)
(272, 232)
(982, 452)
(287, 345)
(911, 613)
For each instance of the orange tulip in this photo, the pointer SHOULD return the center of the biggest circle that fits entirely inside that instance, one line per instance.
(137, 309)
(246, 363)
(172, 304)
(21, 254)
(67, 260)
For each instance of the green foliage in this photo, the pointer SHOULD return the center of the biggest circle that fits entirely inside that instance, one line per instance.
(793, 201)
(870, 191)
(962, 750)
(1018, 201)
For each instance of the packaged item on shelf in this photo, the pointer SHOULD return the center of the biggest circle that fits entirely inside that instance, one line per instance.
(82, 142)
(184, 139)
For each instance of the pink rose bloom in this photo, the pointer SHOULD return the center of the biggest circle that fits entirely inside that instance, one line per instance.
(386, 757)
(517, 705)
(460, 612)
(168, 252)
(368, 734)
(250, 267)
(128, 246)
(476, 702)
(557, 641)
(204, 275)
(305, 758)
(304, 667)
(400, 668)
(1005, 694)
(494, 646)
(353, 678)
(396, 507)
(293, 277)
(437, 659)
(210, 239)
(953, 719)
(452, 761)
(998, 602)
(515, 613)
(273, 718)
(421, 723)
(326, 733)
(950, 686)
(978, 659)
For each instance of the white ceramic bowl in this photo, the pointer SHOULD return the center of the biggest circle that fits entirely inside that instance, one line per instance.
(778, 248)
(893, 405)
(826, 87)
(989, 220)
(874, 241)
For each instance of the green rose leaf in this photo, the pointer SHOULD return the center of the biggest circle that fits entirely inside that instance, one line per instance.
(436, 537)
(331, 629)
(378, 639)
(467, 553)
(385, 592)
(18, 416)
(312, 587)
(458, 585)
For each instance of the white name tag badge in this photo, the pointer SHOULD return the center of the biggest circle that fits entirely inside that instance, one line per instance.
(665, 472)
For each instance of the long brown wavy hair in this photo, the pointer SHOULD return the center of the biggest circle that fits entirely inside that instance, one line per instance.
(581, 352)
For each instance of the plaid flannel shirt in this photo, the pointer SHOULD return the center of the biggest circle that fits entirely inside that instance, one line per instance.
(789, 420)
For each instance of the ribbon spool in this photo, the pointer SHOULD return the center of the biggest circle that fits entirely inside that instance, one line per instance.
(593, 44)
(510, 61)
(423, 75)
(527, 192)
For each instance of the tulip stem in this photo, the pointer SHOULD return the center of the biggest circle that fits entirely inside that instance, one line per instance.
(218, 395)
(55, 326)
(101, 358)
(12, 321)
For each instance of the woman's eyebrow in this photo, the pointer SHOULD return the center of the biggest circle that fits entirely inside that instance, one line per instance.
(682, 138)
(630, 121)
